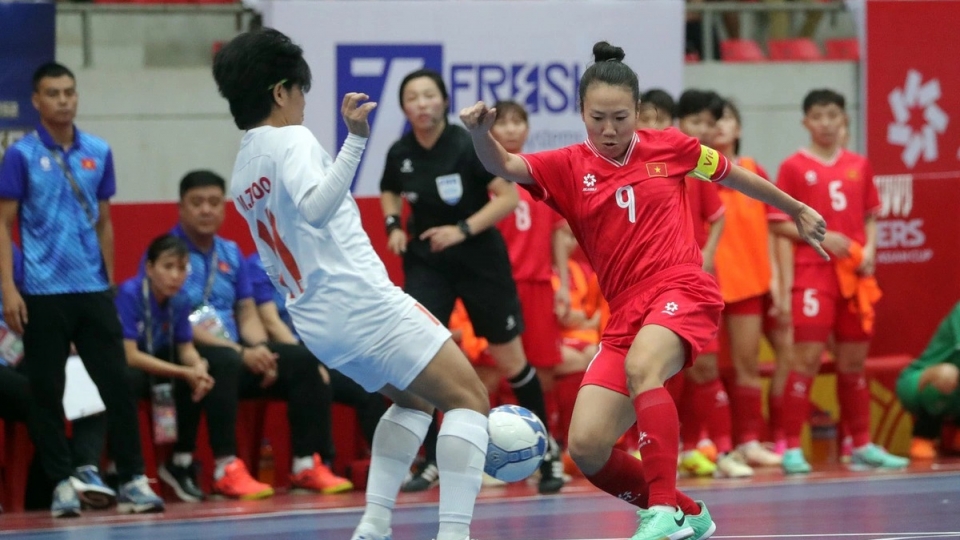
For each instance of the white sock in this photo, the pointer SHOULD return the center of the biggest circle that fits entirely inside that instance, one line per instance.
(221, 468)
(182, 459)
(663, 508)
(395, 443)
(301, 464)
(461, 453)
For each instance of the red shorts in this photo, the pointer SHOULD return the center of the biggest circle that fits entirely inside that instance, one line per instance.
(819, 310)
(541, 334)
(576, 343)
(755, 305)
(684, 299)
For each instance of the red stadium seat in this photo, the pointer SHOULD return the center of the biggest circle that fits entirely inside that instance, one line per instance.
(741, 50)
(842, 49)
(799, 49)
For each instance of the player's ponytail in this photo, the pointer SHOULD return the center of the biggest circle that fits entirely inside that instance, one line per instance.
(608, 68)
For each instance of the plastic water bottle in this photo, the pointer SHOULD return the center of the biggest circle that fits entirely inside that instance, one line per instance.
(265, 470)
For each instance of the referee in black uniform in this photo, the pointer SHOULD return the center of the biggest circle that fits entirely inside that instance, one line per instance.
(454, 249)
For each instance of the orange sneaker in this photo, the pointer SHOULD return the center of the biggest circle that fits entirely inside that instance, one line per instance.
(320, 478)
(708, 449)
(921, 448)
(237, 483)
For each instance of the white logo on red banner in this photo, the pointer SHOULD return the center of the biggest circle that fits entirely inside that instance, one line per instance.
(916, 97)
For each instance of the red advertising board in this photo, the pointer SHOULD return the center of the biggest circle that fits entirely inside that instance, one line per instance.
(913, 142)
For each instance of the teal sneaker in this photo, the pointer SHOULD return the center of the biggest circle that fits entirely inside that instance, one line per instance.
(702, 523)
(794, 462)
(657, 525)
(873, 457)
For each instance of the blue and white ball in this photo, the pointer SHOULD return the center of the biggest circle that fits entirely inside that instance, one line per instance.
(518, 442)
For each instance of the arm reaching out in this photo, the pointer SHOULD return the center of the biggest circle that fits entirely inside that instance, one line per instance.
(478, 119)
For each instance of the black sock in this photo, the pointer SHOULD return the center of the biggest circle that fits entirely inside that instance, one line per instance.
(526, 386)
(430, 441)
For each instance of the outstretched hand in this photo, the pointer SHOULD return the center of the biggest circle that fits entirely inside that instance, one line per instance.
(812, 229)
(478, 117)
(355, 112)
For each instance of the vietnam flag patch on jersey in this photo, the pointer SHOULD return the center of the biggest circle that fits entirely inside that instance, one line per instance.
(88, 164)
(657, 169)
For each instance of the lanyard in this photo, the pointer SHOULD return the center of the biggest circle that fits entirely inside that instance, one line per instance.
(211, 274)
(148, 320)
(73, 184)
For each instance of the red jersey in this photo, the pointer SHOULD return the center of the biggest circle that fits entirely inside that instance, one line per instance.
(841, 190)
(705, 207)
(631, 219)
(529, 237)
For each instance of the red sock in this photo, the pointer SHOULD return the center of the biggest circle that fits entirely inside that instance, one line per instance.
(796, 407)
(716, 414)
(854, 401)
(775, 404)
(746, 407)
(691, 423)
(659, 436)
(622, 477)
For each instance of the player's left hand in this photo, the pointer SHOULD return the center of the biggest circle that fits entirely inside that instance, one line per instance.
(869, 263)
(478, 118)
(355, 112)
(812, 228)
(443, 237)
(561, 303)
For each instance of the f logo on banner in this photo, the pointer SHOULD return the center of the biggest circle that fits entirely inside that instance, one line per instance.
(378, 70)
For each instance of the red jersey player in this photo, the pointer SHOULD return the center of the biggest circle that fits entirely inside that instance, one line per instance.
(622, 193)
(838, 183)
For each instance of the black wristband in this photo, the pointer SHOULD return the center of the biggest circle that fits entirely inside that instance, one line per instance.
(392, 223)
(464, 228)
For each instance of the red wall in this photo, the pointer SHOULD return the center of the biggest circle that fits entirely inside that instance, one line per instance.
(136, 224)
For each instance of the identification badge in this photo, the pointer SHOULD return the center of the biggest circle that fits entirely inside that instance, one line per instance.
(208, 319)
(450, 188)
(11, 346)
(164, 414)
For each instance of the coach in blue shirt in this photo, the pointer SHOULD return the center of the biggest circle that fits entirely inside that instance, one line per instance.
(58, 180)
(227, 327)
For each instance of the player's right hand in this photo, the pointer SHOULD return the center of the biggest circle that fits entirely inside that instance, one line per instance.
(397, 242)
(812, 229)
(14, 310)
(355, 113)
(837, 244)
(478, 117)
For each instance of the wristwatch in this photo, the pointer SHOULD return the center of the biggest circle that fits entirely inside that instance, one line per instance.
(464, 228)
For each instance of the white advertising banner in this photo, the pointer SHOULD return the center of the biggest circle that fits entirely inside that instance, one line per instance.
(531, 51)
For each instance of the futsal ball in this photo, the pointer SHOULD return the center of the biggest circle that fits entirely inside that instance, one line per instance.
(518, 442)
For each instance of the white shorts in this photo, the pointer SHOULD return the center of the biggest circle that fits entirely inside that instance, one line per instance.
(401, 354)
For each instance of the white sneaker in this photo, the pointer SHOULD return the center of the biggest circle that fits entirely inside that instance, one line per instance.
(757, 455)
(367, 532)
(730, 466)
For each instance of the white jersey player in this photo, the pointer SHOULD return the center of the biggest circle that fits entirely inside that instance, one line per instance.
(306, 226)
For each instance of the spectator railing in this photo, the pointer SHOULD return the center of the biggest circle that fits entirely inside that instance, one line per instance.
(86, 12)
(712, 24)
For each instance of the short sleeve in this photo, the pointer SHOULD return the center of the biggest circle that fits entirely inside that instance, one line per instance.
(129, 310)
(696, 160)
(243, 286)
(545, 167)
(305, 163)
(13, 174)
(259, 281)
(108, 184)
(787, 182)
(182, 330)
(871, 199)
(390, 180)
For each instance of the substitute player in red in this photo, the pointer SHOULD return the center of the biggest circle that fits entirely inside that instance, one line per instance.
(838, 183)
(622, 193)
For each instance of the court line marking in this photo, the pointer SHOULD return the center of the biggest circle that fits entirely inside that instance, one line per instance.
(875, 535)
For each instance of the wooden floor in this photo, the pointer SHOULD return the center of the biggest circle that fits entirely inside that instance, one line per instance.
(923, 502)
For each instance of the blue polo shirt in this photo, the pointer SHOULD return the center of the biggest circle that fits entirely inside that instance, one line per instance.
(230, 281)
(17, 280)
(264, 291)
(175, 315)
(60, 245)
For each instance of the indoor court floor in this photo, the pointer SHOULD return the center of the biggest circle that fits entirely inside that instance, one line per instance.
(923, 502)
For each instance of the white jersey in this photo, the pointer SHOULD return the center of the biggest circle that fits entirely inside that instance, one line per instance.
(337, 288)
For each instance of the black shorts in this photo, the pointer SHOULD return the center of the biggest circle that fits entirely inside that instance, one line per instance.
(476, 271)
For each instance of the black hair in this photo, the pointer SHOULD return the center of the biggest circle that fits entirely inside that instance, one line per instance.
(50, 69)
(656, 97)
(823, 96)
(508, 106)
(428, 73)
(248, 69)
(728, 104)
(695, 101)
(198, 179)
(167, 243)
(608, 68)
